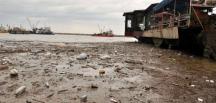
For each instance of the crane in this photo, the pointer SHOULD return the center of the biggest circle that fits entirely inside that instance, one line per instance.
(33, 26)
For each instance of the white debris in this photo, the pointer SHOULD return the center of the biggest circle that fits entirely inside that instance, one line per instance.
(192, 85)
(113, 100)
(83, 98)
(13, 72)
(212, 81)
(47, 84)
(20, 90)
(104, 57)
(167, 68)
(82, 56)
(200, 99)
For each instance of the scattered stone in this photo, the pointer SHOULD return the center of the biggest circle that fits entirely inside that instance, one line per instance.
(113, 100)
(105, 57)
(102, 72)
(84, 98)
(82, 56)
(13, 73)
(3, 67)
(20, 90)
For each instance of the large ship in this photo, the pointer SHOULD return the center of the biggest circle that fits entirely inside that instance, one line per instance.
(34, 29)
(190, 24)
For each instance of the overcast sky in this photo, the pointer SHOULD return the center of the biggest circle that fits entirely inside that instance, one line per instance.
(75, 16)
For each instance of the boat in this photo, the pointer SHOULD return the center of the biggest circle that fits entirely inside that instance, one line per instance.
(188, 24)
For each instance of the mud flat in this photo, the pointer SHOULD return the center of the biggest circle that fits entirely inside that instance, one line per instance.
(104, 73)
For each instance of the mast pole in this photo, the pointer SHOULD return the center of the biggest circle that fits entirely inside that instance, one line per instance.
(190, 11)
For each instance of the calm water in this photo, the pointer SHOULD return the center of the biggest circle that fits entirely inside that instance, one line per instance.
(64, 38)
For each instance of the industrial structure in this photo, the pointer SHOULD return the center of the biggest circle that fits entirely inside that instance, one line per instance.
(189, 24)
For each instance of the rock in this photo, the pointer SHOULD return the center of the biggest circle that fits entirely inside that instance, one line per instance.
(47, 84)
(84, 98)
(82, 56)
(104, 57)
(20, 90)
(102, 72)
(94, 86)
(113, 100)
(3, 67)
(28, 101)
(13, 73)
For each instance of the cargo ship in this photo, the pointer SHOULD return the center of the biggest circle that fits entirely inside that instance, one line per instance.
(189, 24)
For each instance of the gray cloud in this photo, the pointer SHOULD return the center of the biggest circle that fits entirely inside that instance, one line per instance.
(80, 16)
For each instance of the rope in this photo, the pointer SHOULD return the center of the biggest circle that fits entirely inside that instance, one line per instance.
(198, 18)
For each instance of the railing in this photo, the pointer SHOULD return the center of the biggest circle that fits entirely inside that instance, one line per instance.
(179, 21)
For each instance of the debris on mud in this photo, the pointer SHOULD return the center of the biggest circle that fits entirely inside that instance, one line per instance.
(104, 72)
(20, 90)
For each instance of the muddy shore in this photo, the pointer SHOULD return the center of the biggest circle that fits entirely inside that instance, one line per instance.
(110, 73)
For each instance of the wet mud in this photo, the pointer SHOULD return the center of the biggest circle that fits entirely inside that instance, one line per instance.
(110, 73)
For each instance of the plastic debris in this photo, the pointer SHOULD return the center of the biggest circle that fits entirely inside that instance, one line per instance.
(82, 56)
(84, 98)
(20, 90)
(113, 100)
(200, 99)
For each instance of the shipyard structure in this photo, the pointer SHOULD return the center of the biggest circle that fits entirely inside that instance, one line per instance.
(189, 24)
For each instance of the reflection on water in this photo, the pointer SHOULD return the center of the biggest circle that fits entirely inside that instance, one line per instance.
(64, 38)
